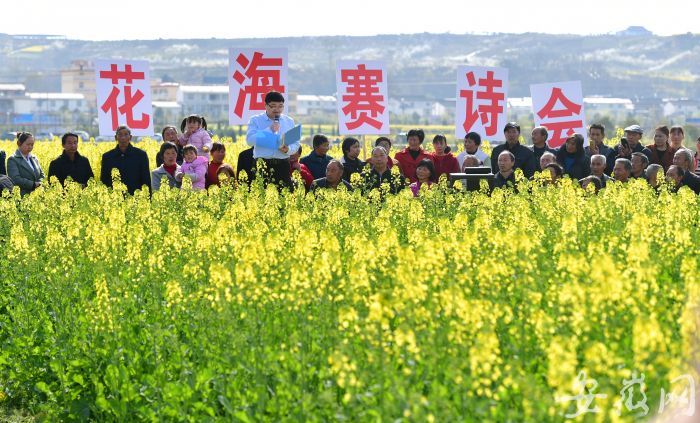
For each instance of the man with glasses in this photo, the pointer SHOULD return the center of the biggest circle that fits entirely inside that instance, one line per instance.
(264, 133)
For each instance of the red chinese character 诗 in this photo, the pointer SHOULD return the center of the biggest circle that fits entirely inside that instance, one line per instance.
(130, 100)
(363, 97)
(263, 74)
(490, 103)
(569, 108)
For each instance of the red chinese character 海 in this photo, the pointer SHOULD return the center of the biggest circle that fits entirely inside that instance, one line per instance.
(560, 128)
(363, 97)
(264, 76)
(490, 106)
(130, 100)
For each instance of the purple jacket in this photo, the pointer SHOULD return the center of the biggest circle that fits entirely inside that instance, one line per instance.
(196, 171)
(199, 139)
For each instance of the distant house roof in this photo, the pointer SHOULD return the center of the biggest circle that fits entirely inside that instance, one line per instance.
(55, 96)
(204, 89)
(12, 87)
(166, 104)
(311, 97)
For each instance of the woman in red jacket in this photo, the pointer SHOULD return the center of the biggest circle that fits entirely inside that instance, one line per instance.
(410, 156)
(443, 160)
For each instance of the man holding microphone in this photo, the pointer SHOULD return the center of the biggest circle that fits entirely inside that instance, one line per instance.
(264, 133)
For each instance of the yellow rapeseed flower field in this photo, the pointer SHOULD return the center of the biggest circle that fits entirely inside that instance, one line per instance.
(550, 304)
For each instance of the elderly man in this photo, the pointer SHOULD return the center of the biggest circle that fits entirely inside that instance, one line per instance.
(622, 170)
(683, 158)
(506, 174)
(547, 158)
(539, 146)
(524, 157)
(333, 178)
(639, 165)
(598, 166)
(675, 176)
(379, 173)
(653, 174)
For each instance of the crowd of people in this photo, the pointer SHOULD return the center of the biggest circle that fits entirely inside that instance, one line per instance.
(191, 154)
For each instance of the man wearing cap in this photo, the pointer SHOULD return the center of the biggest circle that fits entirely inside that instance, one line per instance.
(524, 158)
(633, 134)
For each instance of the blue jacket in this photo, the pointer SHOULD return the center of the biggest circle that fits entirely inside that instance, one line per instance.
(316, 164)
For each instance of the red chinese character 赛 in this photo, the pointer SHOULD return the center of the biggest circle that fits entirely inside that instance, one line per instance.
(490, 102)
(363, 97)
(263, 76)
(131, 99)
(568, 108)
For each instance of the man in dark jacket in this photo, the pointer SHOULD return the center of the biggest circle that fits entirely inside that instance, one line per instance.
(246, 164)
(506, 174)
(317, 160)
(71, 163)
(596, 135)
(333, 178)
(131, 162)
(539, 145)
(524, 157)
(380, 174)
(633, 136)
(598, 166)
(3, 160)
(684, 159)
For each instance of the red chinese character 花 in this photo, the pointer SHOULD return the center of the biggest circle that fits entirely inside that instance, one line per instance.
(131, 99)
(363, 97)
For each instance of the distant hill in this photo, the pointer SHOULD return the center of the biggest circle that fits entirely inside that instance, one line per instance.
(632, 64)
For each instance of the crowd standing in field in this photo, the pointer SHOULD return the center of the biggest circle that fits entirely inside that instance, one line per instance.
(187, 156)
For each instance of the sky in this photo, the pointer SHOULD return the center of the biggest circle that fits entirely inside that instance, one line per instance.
(153, 19)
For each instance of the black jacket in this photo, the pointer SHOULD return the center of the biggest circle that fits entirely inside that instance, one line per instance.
(316, 164)
(79, 169)
(691, 181)
(323, 183)
(351, 166)
(538, 152)
(133, 167)
(499, 181)
(614, 154)
(246, 163)
(3, 159)
(372, 179)
(581, 167)
(524, 158)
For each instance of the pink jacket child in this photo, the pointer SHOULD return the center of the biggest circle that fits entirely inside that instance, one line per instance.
(195, 170)
(199, 138)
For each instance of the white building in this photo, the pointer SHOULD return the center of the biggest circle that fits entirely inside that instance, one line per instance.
(51, 103)
(425, 108)
(310, 104)
(617, 108)
(210, 101)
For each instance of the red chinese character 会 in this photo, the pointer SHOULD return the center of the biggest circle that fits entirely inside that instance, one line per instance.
(560, 128)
